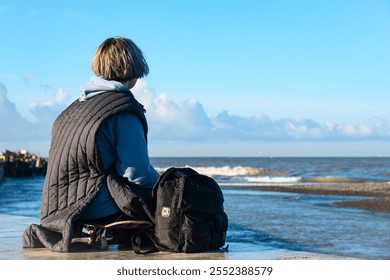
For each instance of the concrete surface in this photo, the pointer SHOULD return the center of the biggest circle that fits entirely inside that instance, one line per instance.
(12, 228)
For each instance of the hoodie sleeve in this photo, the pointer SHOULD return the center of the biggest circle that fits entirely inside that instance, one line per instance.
(121, 139)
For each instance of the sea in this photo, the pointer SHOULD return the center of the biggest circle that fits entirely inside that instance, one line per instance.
(270, 220)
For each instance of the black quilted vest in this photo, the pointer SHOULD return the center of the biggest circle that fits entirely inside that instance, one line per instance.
(75, 173)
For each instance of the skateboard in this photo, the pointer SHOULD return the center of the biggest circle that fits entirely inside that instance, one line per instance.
(100, 236)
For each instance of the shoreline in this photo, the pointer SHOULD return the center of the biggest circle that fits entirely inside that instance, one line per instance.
(380, 193)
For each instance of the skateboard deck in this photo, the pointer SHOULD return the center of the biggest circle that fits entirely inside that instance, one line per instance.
(100, 236)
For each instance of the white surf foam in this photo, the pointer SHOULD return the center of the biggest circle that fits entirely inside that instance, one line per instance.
(269, 179)
(227, 171)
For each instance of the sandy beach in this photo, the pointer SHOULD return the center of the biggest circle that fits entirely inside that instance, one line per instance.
(380, 193)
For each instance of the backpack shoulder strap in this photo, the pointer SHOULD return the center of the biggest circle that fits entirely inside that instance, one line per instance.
(137, 240)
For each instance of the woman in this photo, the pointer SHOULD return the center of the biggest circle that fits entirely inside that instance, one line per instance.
(98, 167)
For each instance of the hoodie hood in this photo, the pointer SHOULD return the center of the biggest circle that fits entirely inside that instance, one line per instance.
(98, 85)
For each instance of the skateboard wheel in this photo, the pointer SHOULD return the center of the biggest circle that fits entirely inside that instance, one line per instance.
(101, 243)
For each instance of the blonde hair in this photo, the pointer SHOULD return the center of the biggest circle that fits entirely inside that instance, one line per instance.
(119, 59)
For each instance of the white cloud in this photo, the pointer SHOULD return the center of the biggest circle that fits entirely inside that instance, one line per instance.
(186, 121)
(13, 126)
(28, 77)
(62, 96)
(47, 111)
(372, 129)
(37, 105)
(169, 120)
(349, 130)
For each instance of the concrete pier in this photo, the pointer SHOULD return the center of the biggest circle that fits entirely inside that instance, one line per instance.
(12, 229)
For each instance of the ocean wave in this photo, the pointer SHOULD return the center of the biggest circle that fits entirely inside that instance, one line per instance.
(293, 179)
(269, 179)
(229, 171)
(244, 175)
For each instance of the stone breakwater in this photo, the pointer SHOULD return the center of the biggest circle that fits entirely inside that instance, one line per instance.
(21, 164)
(1, 170)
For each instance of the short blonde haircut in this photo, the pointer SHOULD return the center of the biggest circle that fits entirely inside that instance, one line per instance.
(119, 59)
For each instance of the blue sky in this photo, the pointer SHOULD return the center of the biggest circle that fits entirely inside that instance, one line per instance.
(227, 78)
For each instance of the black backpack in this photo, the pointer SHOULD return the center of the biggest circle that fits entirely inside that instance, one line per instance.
(189, 214)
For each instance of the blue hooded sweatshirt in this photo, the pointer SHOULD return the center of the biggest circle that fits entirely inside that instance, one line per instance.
(120, 139)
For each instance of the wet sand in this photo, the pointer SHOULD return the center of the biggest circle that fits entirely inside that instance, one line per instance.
(380, 193)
